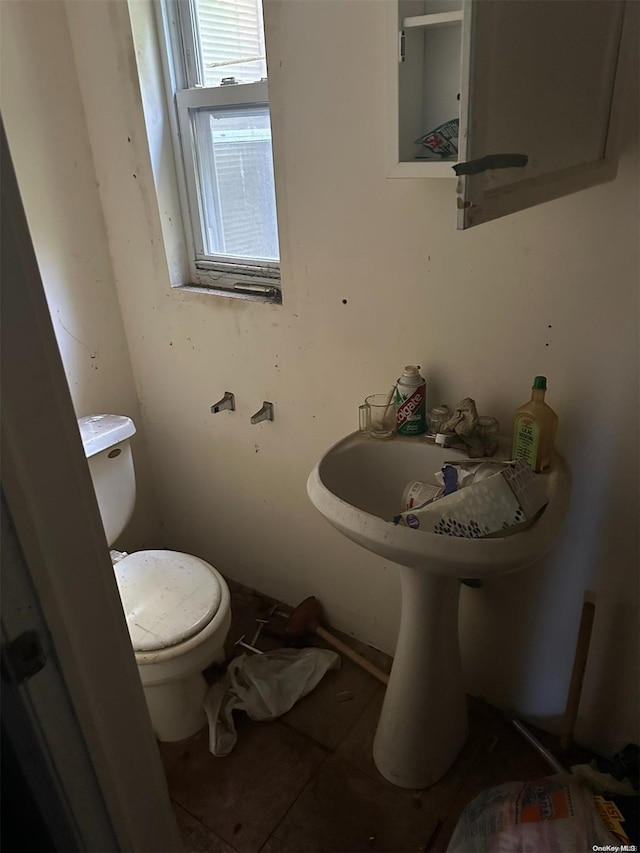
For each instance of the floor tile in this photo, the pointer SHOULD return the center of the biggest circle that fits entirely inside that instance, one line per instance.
(507, 758)
(328, 714)
(308, 781)
(357, 750)
(330, 711)
(243, 796)
(246, 607)
(272, 845)
(342, 809)
(196, 838)
(441, 837)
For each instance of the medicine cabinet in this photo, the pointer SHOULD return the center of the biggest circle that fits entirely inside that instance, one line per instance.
(530, 83)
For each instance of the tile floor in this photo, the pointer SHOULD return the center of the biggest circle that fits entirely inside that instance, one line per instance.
(307, 781)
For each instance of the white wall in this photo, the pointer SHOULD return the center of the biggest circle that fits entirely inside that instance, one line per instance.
(47, 133)
(552, 290)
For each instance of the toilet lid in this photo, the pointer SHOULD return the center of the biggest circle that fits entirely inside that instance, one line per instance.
(167, 597)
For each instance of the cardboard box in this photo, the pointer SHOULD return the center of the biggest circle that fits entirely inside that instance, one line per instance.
(510, 498)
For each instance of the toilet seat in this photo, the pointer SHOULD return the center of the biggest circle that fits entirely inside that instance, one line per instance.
(167, 597)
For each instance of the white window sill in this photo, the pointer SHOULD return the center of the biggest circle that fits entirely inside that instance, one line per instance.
(274, 299)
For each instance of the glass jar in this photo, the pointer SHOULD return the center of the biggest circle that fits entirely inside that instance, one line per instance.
(436, 417)
(489, 429)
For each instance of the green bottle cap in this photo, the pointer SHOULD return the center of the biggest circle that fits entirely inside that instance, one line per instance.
(540, 383)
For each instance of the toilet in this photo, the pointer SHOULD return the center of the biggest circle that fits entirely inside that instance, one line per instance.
(177, 606)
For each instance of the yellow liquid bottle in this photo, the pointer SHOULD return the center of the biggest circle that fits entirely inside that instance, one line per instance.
(534, 428)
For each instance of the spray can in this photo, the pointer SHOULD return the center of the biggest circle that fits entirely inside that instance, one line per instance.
(410, 402)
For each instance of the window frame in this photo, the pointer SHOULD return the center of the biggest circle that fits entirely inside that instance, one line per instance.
(225, 275)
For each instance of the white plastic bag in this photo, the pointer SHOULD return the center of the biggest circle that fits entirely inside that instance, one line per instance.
(265, 686)
(555, 815)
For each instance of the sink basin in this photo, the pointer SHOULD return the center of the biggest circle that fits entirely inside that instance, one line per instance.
(358, 486)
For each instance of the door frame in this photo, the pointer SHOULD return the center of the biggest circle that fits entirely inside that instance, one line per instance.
(60, 540)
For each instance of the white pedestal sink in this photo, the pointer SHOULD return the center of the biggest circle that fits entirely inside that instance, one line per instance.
(357, 486)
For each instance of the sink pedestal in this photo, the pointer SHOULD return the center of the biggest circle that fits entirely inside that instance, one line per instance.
(423, 724)
(358, 486)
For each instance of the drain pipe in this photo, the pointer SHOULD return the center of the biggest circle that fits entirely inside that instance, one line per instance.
(544, 752)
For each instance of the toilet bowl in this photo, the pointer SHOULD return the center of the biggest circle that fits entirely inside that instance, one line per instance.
(178, 616)
(177, 606)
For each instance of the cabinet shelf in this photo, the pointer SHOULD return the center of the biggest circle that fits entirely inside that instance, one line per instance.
(416, 169)
(440, 19)
(424, 82)
(443, 65)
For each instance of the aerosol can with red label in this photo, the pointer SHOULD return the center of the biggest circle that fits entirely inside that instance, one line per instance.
(410, 402)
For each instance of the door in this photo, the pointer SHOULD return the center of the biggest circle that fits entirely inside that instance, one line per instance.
(80, 742)
(537, 110)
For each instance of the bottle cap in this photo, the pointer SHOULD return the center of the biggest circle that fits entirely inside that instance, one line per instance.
(410, 370)
(540, 383)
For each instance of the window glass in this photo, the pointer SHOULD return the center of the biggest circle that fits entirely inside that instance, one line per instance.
(237, 197)
(231, 40)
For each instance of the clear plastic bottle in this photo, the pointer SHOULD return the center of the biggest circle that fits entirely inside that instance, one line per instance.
(534, 428)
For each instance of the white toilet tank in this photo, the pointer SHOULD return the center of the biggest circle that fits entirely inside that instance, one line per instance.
(108, 451)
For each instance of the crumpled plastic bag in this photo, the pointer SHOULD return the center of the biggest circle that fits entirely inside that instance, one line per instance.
(265, 686)
(603, 781)
(556, 814)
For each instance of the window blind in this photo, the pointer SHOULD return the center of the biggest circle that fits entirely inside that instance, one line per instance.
(231, 40)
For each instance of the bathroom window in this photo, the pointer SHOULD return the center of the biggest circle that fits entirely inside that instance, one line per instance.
(217, 73)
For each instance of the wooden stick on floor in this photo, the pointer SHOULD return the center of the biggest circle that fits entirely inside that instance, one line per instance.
(577, 676)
